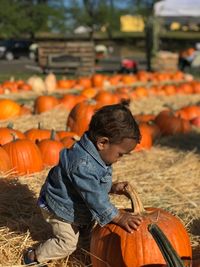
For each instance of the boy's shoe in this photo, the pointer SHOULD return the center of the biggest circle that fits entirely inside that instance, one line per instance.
(30, 262)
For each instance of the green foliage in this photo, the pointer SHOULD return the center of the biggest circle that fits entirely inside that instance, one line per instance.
(26, 17)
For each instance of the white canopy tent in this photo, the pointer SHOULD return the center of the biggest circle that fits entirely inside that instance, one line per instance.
(177, 8)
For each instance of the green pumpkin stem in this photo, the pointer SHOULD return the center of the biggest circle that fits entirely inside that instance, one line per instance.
(169, 253)
(10, 125)
(53, 134)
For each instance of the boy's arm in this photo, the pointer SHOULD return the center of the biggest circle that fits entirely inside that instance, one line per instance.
(88, 185)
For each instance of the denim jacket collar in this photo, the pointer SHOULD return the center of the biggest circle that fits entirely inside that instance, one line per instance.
(91, 149)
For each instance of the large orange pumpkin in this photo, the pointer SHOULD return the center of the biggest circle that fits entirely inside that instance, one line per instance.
(25, 156)
(114, 247)
(80, 116)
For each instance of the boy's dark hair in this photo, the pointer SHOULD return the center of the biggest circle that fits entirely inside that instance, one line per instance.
(115, 122)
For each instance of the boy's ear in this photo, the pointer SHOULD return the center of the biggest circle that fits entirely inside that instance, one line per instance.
(102, 143)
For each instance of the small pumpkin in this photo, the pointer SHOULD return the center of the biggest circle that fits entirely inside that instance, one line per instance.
(37, 84)
(50, 149)
(45, 103)
(50, 82)
(189, 112)
(68, 141)
(9, 109)
(65, 133)
(6, 134)
(68, 101)
(38, 134)
(104, 97)
(146, 141)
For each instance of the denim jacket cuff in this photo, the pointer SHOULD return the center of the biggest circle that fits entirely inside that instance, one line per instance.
(107, 216)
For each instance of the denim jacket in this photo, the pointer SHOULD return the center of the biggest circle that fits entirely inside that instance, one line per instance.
(76, 189)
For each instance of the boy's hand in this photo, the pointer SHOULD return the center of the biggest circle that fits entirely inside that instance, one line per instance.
(128, 221)
(119, 188)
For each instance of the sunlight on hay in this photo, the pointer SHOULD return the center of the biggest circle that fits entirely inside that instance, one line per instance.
(167, 176)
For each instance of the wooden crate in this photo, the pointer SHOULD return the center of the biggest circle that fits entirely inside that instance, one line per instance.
(165, 61)
(83, 50)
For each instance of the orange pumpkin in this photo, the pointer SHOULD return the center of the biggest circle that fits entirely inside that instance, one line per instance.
(12, 86)
(25, 156)
(89, 92)
(112, 246)
(189, 112)
(38, 134)
(45, 103)
(65, 84)
(141, 91)
(5, 163)
(196, 87)
(106, 98)
(146, 138)
(68, 101)
(80, 116)
(25, 87)
(9, 109)
(7, 133)
(151, 128)
(98, 80)
(85, 82)
(68, 141)
(144, 117)
(170, 124)
(61, 134)
(50, 149)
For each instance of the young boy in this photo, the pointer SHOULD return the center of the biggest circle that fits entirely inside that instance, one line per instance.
(75, 193)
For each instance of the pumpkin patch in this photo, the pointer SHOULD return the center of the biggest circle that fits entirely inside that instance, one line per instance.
(164, 167)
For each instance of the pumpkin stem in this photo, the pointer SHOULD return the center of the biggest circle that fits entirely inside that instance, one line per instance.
(53, 134)
(169, 253)
(14, 136)
(10, 125)
(136, 203)
(39, 125)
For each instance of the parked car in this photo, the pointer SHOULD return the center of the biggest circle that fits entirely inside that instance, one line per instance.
(11, 49)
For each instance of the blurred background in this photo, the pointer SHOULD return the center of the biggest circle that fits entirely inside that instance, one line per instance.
(115, 36)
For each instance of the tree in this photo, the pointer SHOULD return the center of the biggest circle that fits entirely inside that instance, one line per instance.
(27, 17)
(95, 14)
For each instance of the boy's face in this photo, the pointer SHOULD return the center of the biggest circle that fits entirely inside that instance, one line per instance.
(112, 152)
